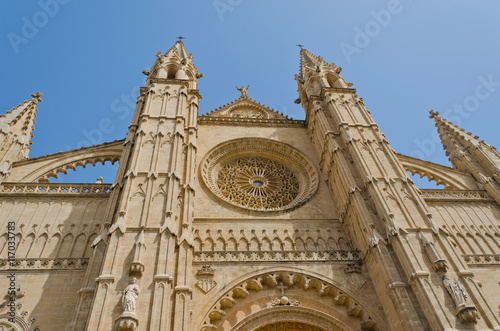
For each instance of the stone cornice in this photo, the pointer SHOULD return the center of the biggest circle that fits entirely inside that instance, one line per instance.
(54, 189)
(28, 264)
(276, 256)
(236, 121)
(455, 195)
(169, 81)
(325, 90)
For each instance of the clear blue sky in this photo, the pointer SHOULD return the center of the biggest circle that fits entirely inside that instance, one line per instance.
(404, 58)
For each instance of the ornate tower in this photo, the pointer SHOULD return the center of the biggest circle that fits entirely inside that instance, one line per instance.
(471, 155)
(151, 207)
(16, 130)
(383, 211)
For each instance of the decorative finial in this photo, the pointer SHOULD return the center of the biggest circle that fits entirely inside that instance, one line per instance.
(180, 38)
(433, 113)
(243, 91)
(300, 46)
(37, 96)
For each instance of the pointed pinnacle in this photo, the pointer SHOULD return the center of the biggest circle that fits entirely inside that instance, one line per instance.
(37, 96)
(433, 113)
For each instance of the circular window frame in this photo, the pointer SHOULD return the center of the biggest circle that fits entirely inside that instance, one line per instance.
(290, 157)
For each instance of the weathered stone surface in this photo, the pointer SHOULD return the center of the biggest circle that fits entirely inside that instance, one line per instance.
(244, 219)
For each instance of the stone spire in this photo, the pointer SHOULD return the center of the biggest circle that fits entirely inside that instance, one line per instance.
(455, 139)
(309, 60)
(468, 153)
(177, 63)
(316, 74)
(155, 188)
(16, 130)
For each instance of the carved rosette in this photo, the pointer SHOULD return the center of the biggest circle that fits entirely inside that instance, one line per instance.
(259, 175)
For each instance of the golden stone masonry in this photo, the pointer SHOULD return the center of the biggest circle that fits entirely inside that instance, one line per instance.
(244, 219)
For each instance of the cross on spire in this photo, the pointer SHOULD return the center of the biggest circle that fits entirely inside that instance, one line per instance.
(299, 45)
(282, 288)
(180, 38)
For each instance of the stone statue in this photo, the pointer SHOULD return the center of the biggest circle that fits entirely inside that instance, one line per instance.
(130, 295)
(243, 91)
(456, 290)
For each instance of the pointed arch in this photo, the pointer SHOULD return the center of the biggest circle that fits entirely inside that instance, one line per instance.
(52, 245)
(243, 244)
(277, 244)
(25, 246)
(209, 244)
(3, 246)
(299, 244)
(79, 246)
(65, 247)
(89, 248)
(332, 243)
(198, 244)
(265, 244)
(310, 245)
(258, 288)
(322, 246)
(254, 244)
(220, 244)
(494, 242)
(342, 243)
(231, 244)
(288, 244)
(38, 247)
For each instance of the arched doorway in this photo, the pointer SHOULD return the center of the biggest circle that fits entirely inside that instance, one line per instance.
(289, 318)
(289, 326)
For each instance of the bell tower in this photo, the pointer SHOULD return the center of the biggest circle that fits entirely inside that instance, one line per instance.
(151, 207)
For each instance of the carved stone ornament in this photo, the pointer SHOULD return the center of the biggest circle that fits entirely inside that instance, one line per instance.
(284, 301)
(259, 175)
(205, 278)
(466, 314)
(127, 320)
(130, 295)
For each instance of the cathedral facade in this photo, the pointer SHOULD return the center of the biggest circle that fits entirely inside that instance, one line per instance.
(244, 219)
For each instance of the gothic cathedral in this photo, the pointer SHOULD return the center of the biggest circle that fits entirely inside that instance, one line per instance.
(244, 219)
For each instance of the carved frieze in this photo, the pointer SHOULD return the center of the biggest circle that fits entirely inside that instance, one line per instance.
(278, 256)
(44, 264)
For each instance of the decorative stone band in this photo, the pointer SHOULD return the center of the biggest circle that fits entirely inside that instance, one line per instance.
(277, 256)
(455, 195)
(482, 259)
(42, 188)
(44, 264)
(208, 120)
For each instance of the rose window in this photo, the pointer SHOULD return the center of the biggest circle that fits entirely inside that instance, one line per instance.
(259, 175)
(258, 183)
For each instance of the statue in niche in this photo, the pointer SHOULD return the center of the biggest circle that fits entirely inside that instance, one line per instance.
(456, 290)
(130, 295)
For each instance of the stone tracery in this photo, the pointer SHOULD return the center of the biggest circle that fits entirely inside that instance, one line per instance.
(258, 183)
(280, 178)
